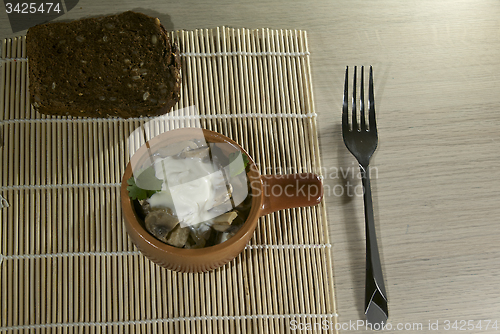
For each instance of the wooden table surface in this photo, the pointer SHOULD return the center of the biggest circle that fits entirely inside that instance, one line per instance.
(436, 184)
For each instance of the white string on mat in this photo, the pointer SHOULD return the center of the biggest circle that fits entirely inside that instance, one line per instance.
(5, 60)
(5, 204)
(63, 255)
(167, 117)
(245, 53)
(59, 186)
(302, 246)
(131, 253)
(171, 320)
(213, 54)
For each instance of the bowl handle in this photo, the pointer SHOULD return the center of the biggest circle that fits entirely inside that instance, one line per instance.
(287, 191)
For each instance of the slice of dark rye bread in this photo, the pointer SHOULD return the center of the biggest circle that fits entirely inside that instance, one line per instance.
(121, 65)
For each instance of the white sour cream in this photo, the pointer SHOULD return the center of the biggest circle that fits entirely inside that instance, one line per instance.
(188, 188)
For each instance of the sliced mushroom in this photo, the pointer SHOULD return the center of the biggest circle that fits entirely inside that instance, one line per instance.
(178, 236)
(145, 207)
(223, 222)
(190, 243)
(176, 148)
(225, 236)
(200, 153)
(240, 188)
(244, 207)
(222, 194)
(200, 235)
(200, 232)
(222, 197)
(160, 222)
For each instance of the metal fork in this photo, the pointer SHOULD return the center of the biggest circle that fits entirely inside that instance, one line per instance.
(361, 140)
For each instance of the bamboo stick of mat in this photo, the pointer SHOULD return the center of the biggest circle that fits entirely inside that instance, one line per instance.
(67, 265)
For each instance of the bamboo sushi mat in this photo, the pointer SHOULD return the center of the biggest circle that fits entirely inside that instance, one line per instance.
(66, 262)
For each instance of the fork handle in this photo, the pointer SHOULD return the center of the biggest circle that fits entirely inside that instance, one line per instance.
(376, 309)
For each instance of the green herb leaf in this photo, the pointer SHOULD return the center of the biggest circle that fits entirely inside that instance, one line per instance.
(134, 191)
(149, 184)
(236, 168)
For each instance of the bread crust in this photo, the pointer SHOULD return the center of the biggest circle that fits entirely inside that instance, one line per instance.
(121, 65)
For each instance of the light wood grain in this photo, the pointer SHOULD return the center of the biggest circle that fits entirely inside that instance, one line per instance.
(436, 196)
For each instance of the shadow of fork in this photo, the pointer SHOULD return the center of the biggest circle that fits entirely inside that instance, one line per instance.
(353, 222)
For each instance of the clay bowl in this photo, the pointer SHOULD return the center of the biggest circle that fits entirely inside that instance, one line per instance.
(269, 193)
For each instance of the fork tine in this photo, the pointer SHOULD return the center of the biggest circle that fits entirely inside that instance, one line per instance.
(345, 108)
(362, 101)
(371, 104)
(354, 122)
